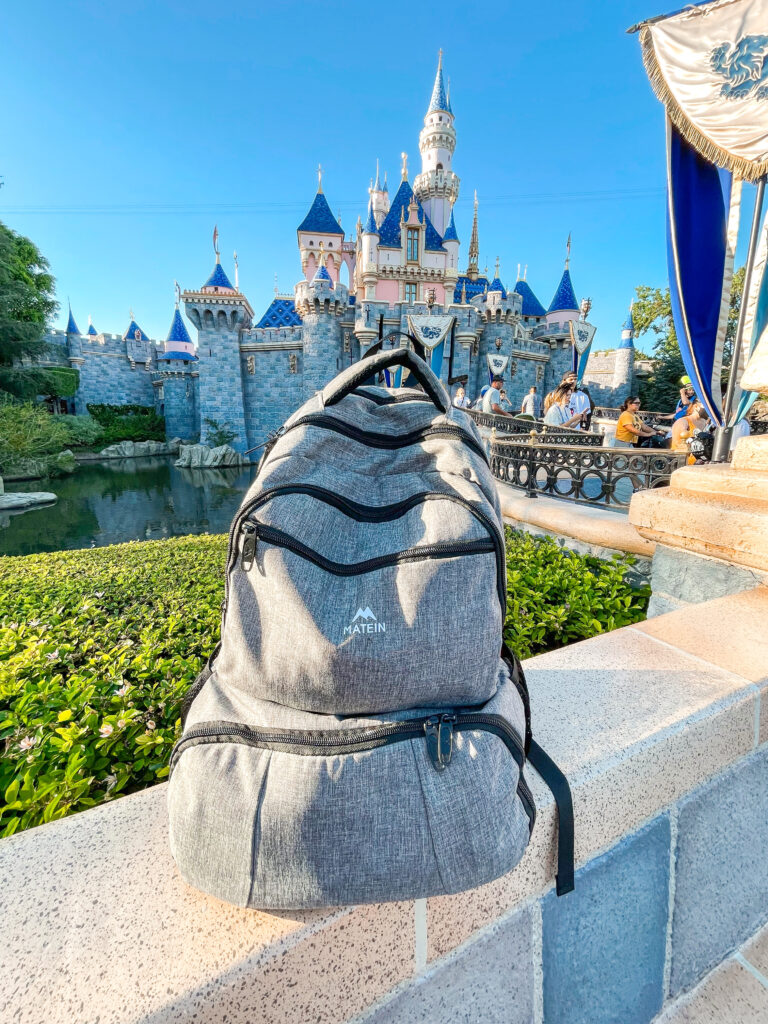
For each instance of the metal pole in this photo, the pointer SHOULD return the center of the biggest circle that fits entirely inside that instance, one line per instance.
(722, 443)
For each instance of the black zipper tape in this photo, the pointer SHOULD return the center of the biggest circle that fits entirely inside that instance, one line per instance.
(438, 731)
(391, 399)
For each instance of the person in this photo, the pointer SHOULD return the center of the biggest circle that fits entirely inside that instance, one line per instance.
(580, 400)
(559, 413)
(630, 430)
(531, 404)
(460, 399)
(505, 403)
(687, 398)
(682, 429)
(479, 400)
(492, 399)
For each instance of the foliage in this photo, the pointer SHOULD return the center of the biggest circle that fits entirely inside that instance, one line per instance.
(82, 430)
(652, 312)
(26, 305)
(29, 431)
(59, 381)
(217, 434)
(555, 597)
(99, 646)
(128, 422)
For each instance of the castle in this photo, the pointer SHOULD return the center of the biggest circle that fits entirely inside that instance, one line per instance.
(405, 287)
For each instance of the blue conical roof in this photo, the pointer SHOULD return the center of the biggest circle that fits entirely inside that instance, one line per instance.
(629, 323)
(322, 275)
(439, 99)
(72, 327)
(370, 221)
(565, 297)
(497, 286)
(320, 219)
(218, 279)
(92, 330)
(134, 332)
(178, 331)
(389, 229)
(450, 232)
(531, 305)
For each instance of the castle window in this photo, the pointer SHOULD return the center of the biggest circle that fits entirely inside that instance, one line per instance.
(410, 290)
(439, 167)
(413, 245)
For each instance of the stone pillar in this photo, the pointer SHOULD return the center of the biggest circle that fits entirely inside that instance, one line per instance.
(710, 527)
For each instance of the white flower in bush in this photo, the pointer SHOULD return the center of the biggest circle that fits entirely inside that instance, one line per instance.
(123, 690)
(106, 730)
(150, 725)
(27, 743)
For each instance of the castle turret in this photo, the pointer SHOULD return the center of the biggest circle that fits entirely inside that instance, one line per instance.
(220, 313)
(175, 381)
(437, 187)
(75, 356)
(320, 227)
(379, 198)
(473, 270)
(91, 329)
(321, 303)
(531, 306)
(369, 252)
(451, 245)
(624, 365)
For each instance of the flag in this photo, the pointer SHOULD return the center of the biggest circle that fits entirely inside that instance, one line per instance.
(707, 64)
(431, 331)
(582, 334)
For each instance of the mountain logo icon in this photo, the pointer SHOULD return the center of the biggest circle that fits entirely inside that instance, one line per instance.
(364, 622)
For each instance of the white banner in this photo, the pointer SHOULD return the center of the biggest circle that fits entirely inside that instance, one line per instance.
(430, 330)
(707, 64)
(497, 364)
(582, 334)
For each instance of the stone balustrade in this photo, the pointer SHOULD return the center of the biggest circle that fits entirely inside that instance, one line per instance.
(662, 729)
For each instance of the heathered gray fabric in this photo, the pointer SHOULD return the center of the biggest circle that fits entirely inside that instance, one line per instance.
(273, 830)
(305, 648)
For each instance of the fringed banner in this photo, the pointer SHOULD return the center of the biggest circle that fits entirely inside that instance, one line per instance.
(431, 332)
(707, 64)
(696, 250)
(582, 334)
(496, 365)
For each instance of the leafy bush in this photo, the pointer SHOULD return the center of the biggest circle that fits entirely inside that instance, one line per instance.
(82, 430)
(128, 422)
(555, 597)
(28, 431)
(98, 648)
(217, 434)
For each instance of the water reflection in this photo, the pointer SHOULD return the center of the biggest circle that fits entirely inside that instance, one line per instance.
(125, 499)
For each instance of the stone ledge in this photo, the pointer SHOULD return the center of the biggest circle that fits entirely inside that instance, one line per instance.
(597, 526)
(96, 922)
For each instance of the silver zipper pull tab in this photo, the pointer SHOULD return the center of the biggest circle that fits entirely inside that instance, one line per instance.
(438, 731)
(248, 555)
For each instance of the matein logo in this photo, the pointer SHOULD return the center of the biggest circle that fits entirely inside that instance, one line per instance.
(365, 622)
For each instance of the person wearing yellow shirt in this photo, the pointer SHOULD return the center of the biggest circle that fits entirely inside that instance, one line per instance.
(630, 427)
(694, 419)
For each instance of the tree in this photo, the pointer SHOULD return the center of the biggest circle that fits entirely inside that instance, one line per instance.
(652, 312)
(26, 306)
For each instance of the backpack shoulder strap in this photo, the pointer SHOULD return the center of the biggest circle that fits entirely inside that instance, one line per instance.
(552, 777)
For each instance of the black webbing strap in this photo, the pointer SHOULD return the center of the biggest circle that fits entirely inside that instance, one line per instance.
(551, 775)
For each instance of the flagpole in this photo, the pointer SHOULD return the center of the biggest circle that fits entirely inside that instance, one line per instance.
(722, 443)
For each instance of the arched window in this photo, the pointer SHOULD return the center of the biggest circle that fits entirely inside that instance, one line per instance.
(439, 167)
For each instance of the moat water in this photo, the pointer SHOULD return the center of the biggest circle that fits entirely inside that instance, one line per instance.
(124, 499)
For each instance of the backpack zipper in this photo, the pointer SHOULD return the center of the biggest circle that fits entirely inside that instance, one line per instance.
(380, 513)
(391, 399)
(438, 731)
(255, 532)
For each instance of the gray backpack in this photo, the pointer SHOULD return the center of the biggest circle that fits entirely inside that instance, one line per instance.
(359, 734)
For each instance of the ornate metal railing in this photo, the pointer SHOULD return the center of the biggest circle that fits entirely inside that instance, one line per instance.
(592, 476)
(516, 426)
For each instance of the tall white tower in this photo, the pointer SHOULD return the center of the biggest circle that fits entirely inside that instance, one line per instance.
(437, 187)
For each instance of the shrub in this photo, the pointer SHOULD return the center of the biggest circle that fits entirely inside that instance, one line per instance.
(128, 422)
(98, 648)
(28, 431)
(555, 596)
(217, 434)
(82, 430)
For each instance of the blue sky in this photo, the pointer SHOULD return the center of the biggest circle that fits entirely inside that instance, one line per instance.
(133, 128)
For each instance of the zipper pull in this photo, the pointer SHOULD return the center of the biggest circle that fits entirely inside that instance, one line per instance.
(249, 546)
(438, 731)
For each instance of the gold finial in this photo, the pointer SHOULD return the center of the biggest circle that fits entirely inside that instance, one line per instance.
(177, 290)
(496, 273)
(276, 289)
(319, 177)
(525, 273)
(237, 278)
(568, 251)
(518, 271)
(404, 169)
(338, 217)
(130, 313)
(216, 241)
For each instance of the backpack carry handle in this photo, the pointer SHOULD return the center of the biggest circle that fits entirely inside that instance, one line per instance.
(357, 374)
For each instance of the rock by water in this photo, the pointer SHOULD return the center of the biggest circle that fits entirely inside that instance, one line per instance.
(200, 456)
(135, 449)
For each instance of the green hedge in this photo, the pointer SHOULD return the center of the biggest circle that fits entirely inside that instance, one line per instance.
(98, 647)
(127, 423)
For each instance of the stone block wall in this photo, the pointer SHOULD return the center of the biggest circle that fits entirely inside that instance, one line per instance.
(108, 377)
(178, 404)
(272, 392)
(220, 382)
(323, 350)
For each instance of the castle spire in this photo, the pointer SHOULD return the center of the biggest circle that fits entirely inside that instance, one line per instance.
(474, 248)
(377, 186)
(439, 100)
